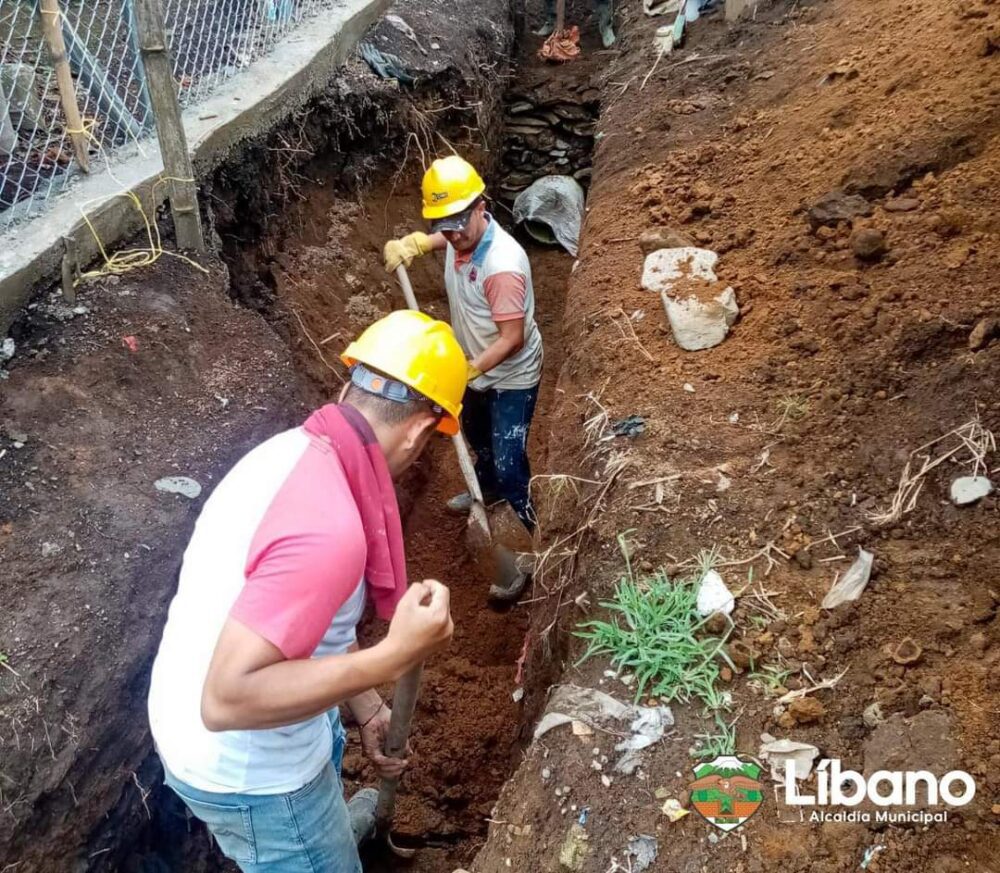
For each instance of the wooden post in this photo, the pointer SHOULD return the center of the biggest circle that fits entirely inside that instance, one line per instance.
(169, 125)
(52, 28)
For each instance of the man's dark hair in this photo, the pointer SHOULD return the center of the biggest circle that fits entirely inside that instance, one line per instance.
(386, 411)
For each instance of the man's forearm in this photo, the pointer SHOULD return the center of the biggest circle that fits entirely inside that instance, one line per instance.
(495, 354)
(292, 691)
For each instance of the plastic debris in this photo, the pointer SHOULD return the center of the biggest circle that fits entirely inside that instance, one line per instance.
(714, 596)
(782, 754)
(552, 210)
(7, 349)
(870, 853)
(673, 810)
(574, 848)
(851, 585)
(647, 728)
(131, 343)
(872, 716)
(643, 850)
(970, 489)
(570, 704)
(384, 65)
(183, 485)
(629, 427)
(405, 29)
(561, 47)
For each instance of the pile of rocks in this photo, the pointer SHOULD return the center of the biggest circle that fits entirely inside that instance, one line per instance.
(547, 135)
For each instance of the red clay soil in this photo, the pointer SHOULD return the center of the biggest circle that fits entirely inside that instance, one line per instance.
(845, 360)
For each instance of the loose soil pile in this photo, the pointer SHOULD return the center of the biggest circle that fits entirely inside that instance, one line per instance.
(843, 160)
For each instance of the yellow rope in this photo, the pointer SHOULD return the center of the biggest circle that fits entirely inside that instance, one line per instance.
(129, 259)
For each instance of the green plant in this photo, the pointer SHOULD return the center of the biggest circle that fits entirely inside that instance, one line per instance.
(655, 633)
(770, 678)
(714, 745)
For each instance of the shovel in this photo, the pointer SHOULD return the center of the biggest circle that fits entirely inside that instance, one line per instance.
(495, 559)
(404, 702)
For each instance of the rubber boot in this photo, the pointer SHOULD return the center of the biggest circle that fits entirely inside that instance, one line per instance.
(605, 22)
(549, 25)
(361, 811)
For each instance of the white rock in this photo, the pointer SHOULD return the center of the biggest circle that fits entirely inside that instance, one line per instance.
(969, 489)
(183, 485)
(664, 267)
(50, 549)
(714, 596)
(7, 350)
(698, 324)
(689, 387)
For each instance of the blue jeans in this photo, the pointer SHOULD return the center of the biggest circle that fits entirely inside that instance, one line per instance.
(496, 423)
(304, 831)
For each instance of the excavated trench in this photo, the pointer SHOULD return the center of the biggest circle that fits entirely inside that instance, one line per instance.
(302, 239)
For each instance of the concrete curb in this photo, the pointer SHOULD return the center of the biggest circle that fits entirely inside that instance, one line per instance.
(247, 105)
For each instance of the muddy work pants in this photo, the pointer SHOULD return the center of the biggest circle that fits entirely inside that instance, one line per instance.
(496, 423)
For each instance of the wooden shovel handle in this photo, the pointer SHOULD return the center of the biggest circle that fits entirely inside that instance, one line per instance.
(404, 702)
(461, 447)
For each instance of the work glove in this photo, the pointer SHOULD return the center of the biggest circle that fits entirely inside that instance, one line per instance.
(403, 251)
(471, 372)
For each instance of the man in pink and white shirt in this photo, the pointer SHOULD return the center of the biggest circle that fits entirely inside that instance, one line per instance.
(259, 648)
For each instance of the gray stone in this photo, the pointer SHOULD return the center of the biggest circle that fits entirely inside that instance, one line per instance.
(969, 489)
(837, 206)
(183, 485)
(985, 330)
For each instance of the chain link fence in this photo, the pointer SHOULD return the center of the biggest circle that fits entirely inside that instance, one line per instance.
(60, 57)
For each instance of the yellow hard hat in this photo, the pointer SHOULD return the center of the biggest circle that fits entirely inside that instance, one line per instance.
(450, 187)
(420, 352)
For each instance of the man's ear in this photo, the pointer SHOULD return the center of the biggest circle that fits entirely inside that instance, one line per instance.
(419, 428)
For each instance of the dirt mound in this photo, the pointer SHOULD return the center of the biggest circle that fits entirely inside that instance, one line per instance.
(154, 374)
(774, 142)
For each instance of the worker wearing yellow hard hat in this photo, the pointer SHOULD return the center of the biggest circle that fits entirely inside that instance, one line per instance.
(488, 279)
(260, 650)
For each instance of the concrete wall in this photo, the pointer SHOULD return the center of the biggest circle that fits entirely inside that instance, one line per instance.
(247, 105)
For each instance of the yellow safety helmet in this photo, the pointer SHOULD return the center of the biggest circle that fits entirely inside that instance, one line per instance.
(450, 187)
(420, 352)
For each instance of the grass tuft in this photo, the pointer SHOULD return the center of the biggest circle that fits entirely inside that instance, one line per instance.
(655, 633)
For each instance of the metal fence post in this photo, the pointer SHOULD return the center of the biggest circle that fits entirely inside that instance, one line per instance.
(169, 125)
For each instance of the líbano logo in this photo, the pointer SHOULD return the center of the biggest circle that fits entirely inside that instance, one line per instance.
(727, 791)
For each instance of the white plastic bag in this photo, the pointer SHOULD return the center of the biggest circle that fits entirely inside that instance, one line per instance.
(850, 586)
(552, 205)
